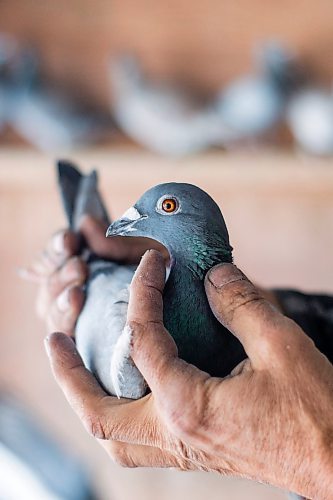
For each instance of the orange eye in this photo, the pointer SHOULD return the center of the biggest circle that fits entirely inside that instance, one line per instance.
(169, 205)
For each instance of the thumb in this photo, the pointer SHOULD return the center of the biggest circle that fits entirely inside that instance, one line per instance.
(241, 308)
(118, 248)
(93, 230)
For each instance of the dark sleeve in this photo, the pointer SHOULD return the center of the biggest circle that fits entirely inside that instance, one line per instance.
(313, 313)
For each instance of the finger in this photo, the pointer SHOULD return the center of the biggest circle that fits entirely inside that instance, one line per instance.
(65, 310)
(61, 246)
(40, 269)
(146, 301)
(93, 231)
(118, 248)
(103, 416)
(73, 272)
(241, 308)
(74, 379)
(28, 274)
(171, 379)
(152, 344)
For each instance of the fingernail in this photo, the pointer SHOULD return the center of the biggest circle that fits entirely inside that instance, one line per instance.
(222, 274)
(58, 243)
(47, 346)
(63, 301)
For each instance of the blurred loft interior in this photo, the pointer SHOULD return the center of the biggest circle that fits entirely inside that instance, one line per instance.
(235, 97)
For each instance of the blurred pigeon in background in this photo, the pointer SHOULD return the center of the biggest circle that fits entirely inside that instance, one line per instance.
(42, 115)
(255, 103)
(310, 118)
(170, 121)
(166, 118)
(161, 117)
(32, 464)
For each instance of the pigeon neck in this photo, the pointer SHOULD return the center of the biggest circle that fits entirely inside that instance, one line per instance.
(198, 257)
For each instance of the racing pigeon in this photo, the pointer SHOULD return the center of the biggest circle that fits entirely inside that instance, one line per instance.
(190, 225)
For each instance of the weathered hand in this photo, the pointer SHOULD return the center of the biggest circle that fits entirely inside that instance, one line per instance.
(271, 420)
(61, 273)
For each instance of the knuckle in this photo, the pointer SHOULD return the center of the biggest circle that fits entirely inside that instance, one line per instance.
(243, 294)
(74, 269)
(66, 307)
(134, 326)
(136, 332)
(185, 423)
(190, 421)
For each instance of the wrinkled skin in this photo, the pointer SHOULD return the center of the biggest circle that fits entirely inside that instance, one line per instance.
(271, 420)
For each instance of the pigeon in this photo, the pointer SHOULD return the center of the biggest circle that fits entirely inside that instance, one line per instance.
(310, 119)
(166, 119)
(29, 453)
(254, 103)
(171, 120)
(190, 225)
(40, 113)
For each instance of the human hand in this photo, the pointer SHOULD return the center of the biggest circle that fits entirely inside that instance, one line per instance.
(60, 272)
(271, 420)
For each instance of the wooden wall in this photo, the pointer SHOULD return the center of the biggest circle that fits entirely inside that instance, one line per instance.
(202, 42)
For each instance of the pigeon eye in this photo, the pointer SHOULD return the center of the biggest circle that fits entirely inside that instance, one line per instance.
(167, 205)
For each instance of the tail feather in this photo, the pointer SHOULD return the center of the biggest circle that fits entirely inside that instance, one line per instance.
(79, 194)
(69, 179)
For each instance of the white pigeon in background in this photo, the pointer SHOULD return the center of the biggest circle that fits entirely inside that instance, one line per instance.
(253, 104)
(310, 118)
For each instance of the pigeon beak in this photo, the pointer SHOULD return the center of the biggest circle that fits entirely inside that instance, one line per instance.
(126, 223)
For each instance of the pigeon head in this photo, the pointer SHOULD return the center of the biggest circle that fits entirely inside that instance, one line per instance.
(184, 219)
